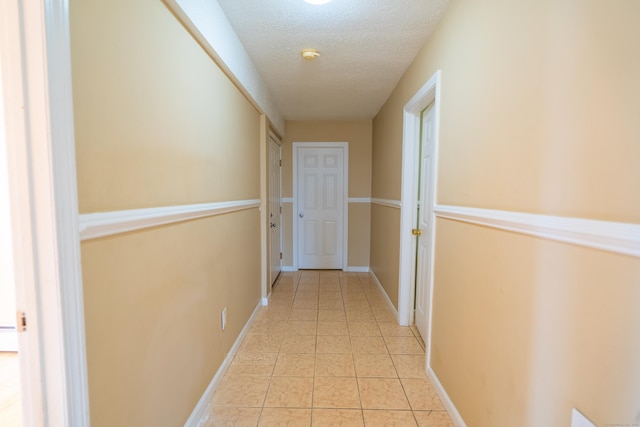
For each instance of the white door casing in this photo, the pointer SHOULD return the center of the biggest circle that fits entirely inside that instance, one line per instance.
(275, 211)
(427, 94)
(38, 108)
(320, 203)
(8, 334)
(425, 221)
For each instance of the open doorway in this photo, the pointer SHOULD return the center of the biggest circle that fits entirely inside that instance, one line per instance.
(423, 106)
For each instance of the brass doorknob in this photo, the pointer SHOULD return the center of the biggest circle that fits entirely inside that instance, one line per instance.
(416, 232)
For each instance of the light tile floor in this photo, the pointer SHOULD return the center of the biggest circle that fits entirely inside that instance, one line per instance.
(327, 351)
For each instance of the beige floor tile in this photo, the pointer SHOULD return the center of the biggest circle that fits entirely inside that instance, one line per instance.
(392, 329)
(409, 365)
(334, 365)
(307, 292)
(337, 417)
(335, 392)
(329, 287)
(368, 345)
(379, 418)
(259, 343)
(403, 345)
(363, 329)
(332, 315)
(384, 316)
(302, 327)
(303, 314)
(281, 313)
(382, 393)
(333, 344)
(359, 316)
(298, 344)
(331, 304)
(305, 305)
(241, 391)
(332, 328)
(294, 365)
(256, 364)
(433, 419)
(422, 396)
(288, 392)
(227, 416)
(374, 365)
(306, 289)
(281, 417)
(356, 302)
(270, 327)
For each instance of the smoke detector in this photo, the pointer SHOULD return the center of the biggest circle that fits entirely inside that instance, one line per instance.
(309, 54)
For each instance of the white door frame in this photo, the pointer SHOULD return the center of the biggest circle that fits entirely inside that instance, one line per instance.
(278, 142)
(429, 93)
(36, 78)
(345, 196)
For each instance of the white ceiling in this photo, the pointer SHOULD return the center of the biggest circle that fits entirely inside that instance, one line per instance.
(365, 46)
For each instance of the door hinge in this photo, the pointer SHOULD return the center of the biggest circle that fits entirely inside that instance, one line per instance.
(280, 210)
(21, 321)
(281, 163)
(280, 255)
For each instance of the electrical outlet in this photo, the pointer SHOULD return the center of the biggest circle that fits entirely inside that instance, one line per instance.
(224, 318)
(579, 420)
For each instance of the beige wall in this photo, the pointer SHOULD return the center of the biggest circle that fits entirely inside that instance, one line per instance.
(358, 134)
(538, 114)
(158, 124)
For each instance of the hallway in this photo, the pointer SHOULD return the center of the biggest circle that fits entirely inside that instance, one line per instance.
(327, 351)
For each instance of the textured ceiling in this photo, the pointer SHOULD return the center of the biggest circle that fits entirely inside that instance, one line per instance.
(365, 46)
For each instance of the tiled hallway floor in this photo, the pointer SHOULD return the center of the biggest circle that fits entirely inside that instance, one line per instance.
(327, 351)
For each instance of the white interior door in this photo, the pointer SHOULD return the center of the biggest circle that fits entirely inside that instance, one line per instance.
(275, 211)
(320, 207)
(425, 220)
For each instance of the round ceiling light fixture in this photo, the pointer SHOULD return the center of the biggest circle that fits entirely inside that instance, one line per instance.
(309, 54)
(317, 2)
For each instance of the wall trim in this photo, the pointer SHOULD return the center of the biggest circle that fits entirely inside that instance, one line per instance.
(384, 294)
(446, 400)
(103, 224)
(287, 200)
(359, 200)
(288, 268)
(618, 237)
(200, 414)
(387, 202)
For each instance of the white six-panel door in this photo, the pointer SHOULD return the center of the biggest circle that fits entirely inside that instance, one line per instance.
(425, 220)
(320, 203)
(275, 237)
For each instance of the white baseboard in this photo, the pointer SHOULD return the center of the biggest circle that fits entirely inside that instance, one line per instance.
(446, 400)
(8, 340)
(386, 297)
(357, 269)
(288, 268)
(200, 413)
(265, 301)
